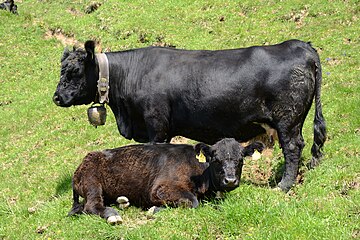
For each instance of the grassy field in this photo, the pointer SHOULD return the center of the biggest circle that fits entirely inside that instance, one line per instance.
(41, 144)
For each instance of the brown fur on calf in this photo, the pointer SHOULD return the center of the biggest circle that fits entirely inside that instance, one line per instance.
(133, 171)
(156, 175)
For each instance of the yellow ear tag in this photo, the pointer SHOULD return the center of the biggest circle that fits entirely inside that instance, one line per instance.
(201, 157)
(256, 155)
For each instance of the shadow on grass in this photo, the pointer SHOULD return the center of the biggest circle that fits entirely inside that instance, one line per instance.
(64, 184)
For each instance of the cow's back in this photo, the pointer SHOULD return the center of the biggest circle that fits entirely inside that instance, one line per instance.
(208, 95)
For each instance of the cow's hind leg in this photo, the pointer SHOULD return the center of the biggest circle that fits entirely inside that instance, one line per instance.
(292, 144)
(95, 205)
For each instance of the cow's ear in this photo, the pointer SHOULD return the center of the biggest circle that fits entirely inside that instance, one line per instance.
(202, 148)
(249, 150)
(90, 50)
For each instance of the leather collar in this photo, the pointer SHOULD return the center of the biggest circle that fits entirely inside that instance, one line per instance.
(103, 81)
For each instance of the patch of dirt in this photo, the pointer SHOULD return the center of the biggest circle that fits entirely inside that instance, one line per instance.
(160, 41)
(333, 61)
(179, 140)
(74, 12)
(41, 229)
(163, 44)
(4, 103)
(65, 39)
(350, 185)
(259, 171)
(138, 221)
(356, 234)
(92, 7)
(298, 16)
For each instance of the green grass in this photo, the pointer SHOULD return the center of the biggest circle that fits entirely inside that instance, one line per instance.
(41, 144)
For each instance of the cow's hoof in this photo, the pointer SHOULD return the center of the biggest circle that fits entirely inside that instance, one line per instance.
(314, 162)
(116, 219)
(285, 187)
(153, 210)
(123, 202)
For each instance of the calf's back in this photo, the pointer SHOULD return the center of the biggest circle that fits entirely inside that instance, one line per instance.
(133, 171)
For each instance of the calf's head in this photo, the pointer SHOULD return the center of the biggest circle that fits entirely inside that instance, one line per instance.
(226, 159)
(78, 78)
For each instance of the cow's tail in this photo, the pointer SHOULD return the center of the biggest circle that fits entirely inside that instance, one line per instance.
(77, 207)
(319, 121)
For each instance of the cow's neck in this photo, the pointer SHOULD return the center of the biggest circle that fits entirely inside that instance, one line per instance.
(209, 177)
(103, 85)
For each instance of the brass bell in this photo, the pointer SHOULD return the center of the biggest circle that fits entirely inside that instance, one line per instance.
(97, 114)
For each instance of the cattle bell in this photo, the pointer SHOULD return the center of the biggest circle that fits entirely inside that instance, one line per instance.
(97, 114)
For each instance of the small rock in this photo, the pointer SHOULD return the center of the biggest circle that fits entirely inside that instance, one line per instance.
(31, 210)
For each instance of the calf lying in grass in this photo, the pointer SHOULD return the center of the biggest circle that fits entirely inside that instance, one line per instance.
(157, 175)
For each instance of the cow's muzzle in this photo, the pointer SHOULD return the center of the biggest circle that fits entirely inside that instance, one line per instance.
(230, 182)
(59, 101)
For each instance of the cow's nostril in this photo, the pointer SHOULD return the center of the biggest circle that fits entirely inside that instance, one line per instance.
(56, 99)
(230, 181)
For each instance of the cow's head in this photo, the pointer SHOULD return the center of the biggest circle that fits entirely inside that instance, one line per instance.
(226, 159)
(78, 78)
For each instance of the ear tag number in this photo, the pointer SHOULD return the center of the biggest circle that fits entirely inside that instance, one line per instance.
(201, 157)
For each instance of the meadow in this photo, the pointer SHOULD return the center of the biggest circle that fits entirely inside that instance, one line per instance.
(42, 144)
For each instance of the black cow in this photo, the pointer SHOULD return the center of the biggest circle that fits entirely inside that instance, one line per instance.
(9, 5)
(156, 175)
(157, 93)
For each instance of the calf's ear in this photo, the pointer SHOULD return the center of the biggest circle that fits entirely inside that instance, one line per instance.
(205, 149)
(90, 49)
(249, 150)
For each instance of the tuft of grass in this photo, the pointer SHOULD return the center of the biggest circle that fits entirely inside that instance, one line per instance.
(41, 144)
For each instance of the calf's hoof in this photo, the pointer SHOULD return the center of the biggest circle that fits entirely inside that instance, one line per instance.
(114, 220)
(314, 162)
(123, 202)
(153, 210)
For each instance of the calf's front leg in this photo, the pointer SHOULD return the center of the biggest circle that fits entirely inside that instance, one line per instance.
(173, 195)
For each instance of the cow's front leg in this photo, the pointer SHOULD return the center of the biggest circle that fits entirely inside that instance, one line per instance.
(156, 116)
(157, 128)
(292, 146)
